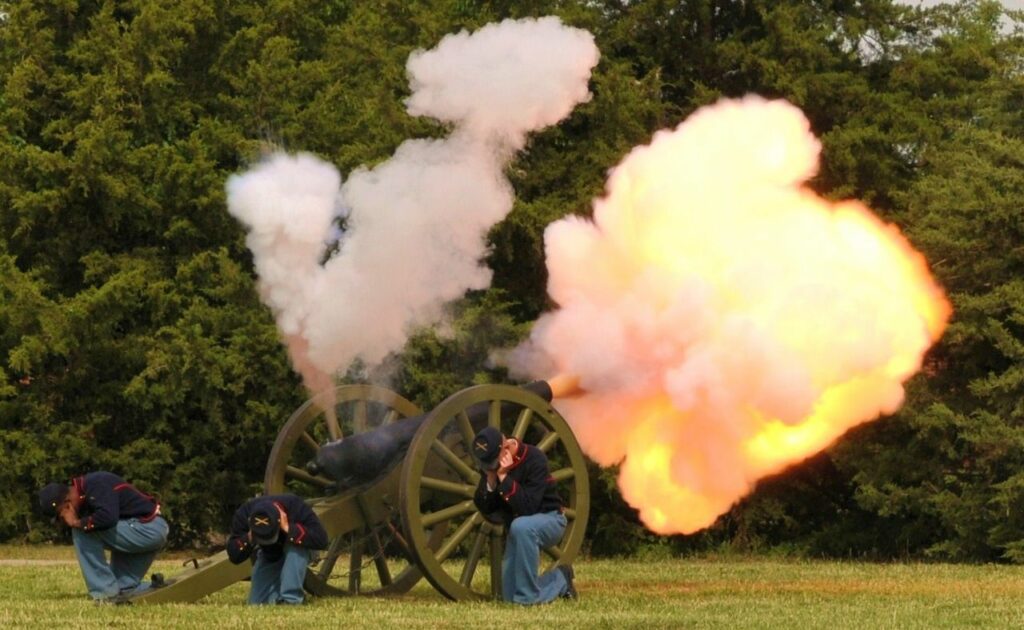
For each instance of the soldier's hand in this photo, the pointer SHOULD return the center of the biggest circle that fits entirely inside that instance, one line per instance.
(284, 520)
(68, 514)
(509, 448)
(506, 458)
(505, 461)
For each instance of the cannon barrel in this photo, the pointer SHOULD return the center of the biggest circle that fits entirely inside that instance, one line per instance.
(364, 457)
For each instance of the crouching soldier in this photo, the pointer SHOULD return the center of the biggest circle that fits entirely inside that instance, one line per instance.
(278, 532)
(106, 512)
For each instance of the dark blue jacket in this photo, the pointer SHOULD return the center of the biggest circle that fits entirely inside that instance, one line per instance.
(304, 528)
(527, 489)
(107, 498)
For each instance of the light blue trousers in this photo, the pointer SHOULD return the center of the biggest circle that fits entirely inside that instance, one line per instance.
(527, 535)
(133, 546)
(280, 581)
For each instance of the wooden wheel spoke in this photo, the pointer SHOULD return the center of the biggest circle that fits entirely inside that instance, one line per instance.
(380, 561)
(497, 551)
(332, 557)
(548, 441)
(355, 569)
(474, 555)
(460, 534)
(390, 416)
(455, 461)
(333, 428)
(553, 551)
(451, 487)
(308, 440)
(465, 428)
(302, 475)
(432, 518)
(402, 542)
(522, 423)
(494, 414)
(359, 416)
(570, 514)
(563, 473)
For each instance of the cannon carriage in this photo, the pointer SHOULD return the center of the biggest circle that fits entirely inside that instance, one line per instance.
(394, 489)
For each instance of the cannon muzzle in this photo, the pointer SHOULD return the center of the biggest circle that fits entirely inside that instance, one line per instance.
(564, 386)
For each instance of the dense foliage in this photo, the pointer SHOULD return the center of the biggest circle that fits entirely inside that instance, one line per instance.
(132, 338)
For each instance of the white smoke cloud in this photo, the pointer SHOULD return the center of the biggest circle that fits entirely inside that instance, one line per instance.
(288, 205)
(504, 80)
(416, 224)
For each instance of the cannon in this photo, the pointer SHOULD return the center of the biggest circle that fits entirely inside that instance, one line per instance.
(394, 489)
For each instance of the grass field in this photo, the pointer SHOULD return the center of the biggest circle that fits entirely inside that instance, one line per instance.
(42, 587)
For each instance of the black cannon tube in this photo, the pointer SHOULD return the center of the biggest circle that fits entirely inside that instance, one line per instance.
(363, 458)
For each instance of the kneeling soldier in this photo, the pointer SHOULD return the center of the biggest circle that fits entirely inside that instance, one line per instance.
(515, 484)
(106, 512)
(278, 532)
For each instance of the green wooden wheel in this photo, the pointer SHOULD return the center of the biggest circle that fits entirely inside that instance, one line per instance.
(343, 569)
(439, 479)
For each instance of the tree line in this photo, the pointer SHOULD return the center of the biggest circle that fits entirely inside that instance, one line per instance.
(132, 338)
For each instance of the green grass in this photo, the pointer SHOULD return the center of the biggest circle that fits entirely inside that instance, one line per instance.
(708, 592)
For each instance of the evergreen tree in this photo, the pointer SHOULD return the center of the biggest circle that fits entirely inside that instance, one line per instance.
(132, 337)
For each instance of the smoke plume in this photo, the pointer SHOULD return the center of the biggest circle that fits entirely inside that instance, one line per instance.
(724, 321)
(416, 224)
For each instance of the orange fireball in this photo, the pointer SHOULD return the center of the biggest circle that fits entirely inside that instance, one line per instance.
(724, 320)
